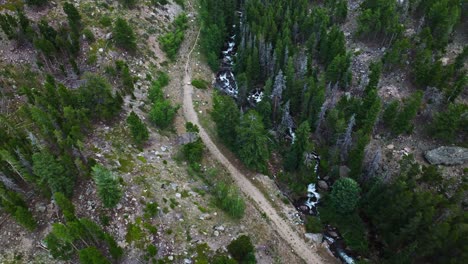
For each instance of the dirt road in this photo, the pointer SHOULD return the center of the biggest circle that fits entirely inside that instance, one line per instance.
(279, 224)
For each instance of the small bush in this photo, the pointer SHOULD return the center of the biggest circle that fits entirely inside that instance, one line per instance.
(89, 35)
(138, 129)
(151, 209)
(242, 250)
(200, 84)
(134, 233)
(162, 113)
(313, 224)
(25, 218)
(105, 21)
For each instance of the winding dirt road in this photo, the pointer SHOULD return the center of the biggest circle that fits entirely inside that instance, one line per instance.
(301, 248)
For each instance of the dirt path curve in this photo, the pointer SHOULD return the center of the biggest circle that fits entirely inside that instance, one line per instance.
(300, 247)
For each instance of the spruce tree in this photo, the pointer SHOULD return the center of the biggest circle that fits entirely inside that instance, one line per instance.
(137, 128)
(252, 142)
(108, 186)
(124, 36)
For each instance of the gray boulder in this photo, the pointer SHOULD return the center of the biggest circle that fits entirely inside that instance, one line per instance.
(447, 156)
(187, 138)
(323, 185)
(315, 238)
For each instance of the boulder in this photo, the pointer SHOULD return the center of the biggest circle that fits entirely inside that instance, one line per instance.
(41, 208)
(447, 155)
(323, 185)
(315, 238)
(187, 138)
(344, 171)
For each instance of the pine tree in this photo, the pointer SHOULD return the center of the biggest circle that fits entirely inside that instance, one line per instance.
(345, 195)
(123, 35)
(108, 186)
(252, 141)
(52, 173)
(92, 255)
(73, 16)
(402, 122)
(137, 128)
(226, 116)
(162, 113)
(67, 207)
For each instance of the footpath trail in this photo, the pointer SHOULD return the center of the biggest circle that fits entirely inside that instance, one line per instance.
(299, 245)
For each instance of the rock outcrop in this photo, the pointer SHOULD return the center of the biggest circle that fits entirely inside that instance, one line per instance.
(447, 156)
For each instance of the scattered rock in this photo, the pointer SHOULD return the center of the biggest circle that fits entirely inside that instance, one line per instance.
(447, 156)
(187, 261)
(101, 50)
(205, 217)
(216, 233)
(315, 238)
(109, 36)
(391, 146)
(187, 138)
(170, 258)
(41, 208)
(119, 206)
(178, 195)
(220, 228)
(323, 185)
(333, 234)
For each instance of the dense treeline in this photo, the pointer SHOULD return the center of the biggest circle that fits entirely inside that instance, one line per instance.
(217, 19)
(295, 53)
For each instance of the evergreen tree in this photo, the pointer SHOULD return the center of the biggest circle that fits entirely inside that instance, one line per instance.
(162, 113)
(402, 122)
(96, 96)
(52, 173)
(128, 3)
(301, 145)
(252, 141)
(452, 123)
(108, 186)
(92, 255)
(242, 250)
(123, 35)
(345, 195)
(137, 128)
(74, 17)
(226, 116)
(67, 207)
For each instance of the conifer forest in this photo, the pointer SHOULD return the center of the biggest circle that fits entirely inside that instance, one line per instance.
(234, 131)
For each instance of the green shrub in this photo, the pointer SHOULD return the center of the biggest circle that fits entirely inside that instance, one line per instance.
(89, 35)
(193, 152)
(123, 35)
(92, 255)
(25, 218)
(229, 200)
(151, 209)
(134, 233)
(138, 129)
(170, 42)
(242, 250)
(105, 21)
(162, 113)
(313, 224)
(159, 2)
(200, 84)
